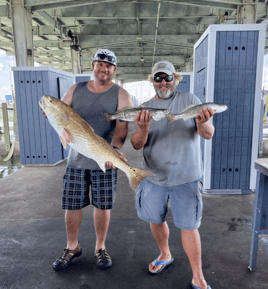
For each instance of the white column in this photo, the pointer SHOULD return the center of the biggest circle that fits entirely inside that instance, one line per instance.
(76, 62)
(247, 12)
(22, 33)
(188, 66)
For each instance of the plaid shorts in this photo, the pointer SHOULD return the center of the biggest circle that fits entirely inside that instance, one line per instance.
(76, 184)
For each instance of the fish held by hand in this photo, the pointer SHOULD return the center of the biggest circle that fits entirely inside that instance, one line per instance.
(193, 110)
(84, 140)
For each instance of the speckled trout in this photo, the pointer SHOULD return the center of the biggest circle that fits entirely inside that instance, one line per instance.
(129, 113)
(193, 110)
(85, 140)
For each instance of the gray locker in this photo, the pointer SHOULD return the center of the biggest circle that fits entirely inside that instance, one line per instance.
(186, 84)
(228, 70)
(83, 77)
(39, 142)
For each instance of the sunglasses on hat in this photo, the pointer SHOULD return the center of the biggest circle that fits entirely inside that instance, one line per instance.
(168, 78)
(105, 57)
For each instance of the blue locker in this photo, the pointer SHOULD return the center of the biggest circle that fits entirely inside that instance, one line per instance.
(83, 77)
(232, 76)
(39, 142)
(184, 84)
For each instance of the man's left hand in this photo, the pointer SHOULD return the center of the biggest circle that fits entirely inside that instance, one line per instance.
(204, 116)
(122, 157)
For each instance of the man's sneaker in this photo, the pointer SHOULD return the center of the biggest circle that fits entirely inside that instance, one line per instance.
(104, 261)
(65, 260)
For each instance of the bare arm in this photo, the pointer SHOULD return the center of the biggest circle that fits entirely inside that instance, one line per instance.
(68, 96)
(204, 128)
(121, 129)
(140, 136)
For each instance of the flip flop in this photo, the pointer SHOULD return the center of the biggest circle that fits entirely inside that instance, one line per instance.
(196, 287)
(164, 263)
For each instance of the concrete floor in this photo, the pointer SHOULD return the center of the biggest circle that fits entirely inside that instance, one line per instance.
(32, 236)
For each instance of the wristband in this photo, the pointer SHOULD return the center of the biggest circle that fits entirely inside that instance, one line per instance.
(115, 147)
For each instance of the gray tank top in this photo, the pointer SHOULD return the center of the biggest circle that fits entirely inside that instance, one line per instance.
(90, 106)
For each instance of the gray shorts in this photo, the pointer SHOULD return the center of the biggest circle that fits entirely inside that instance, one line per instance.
(185, 202)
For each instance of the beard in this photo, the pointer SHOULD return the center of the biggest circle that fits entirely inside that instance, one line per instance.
(165, 94)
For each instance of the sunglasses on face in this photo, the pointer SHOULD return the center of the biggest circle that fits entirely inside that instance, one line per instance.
(168, 78)
(106, 57)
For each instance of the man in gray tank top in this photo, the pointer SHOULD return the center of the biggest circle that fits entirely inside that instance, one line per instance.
(90, 99)
(172, 152)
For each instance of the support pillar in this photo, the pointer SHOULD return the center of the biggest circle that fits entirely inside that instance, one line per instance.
(76, 61)
(188, 66)
(22, 33)
(246, 14)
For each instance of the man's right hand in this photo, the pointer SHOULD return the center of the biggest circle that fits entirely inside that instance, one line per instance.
(143, 119)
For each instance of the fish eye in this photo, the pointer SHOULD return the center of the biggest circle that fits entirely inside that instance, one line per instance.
(51, 100)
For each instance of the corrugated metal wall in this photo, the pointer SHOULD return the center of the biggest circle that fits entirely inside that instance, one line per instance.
(39, 142)
(184, 85)
(235, 77)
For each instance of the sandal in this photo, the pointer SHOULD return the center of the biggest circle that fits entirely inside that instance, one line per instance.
(65, 260)
(104, 260)
(164, 263)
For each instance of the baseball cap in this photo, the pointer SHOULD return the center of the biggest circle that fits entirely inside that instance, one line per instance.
(105, 55)
(164, 67)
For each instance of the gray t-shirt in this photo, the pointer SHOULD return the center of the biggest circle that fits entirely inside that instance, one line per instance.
(172, 151)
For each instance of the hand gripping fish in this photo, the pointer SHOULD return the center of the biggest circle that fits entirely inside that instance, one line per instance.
(85, 140)
(192, 110)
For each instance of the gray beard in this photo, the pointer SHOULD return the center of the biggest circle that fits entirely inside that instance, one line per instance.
(167, 94)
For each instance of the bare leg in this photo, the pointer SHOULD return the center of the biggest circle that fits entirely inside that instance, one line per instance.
(192, 245)
(73, 221)
(101, 222)
(161, 235)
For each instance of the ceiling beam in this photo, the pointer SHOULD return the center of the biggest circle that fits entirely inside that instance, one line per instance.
(98, 41)
(4, 10)
(54, 23)
(41, 5)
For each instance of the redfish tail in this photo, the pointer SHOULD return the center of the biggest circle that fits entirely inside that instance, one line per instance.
(137, 176)
(107, 116)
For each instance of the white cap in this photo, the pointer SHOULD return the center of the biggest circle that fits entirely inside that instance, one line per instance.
(105, 55)
(164, 67)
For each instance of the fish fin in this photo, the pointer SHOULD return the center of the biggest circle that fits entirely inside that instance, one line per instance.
(63, 142)
(141, 105)
(102, 166)
(107, 116)
(137, 176)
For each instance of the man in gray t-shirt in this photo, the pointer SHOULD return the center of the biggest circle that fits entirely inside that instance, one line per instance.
(172, 152)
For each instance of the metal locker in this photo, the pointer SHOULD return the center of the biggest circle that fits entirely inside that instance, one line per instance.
(83, 77)
(39, 142)
(232, 76)
(186, 84)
